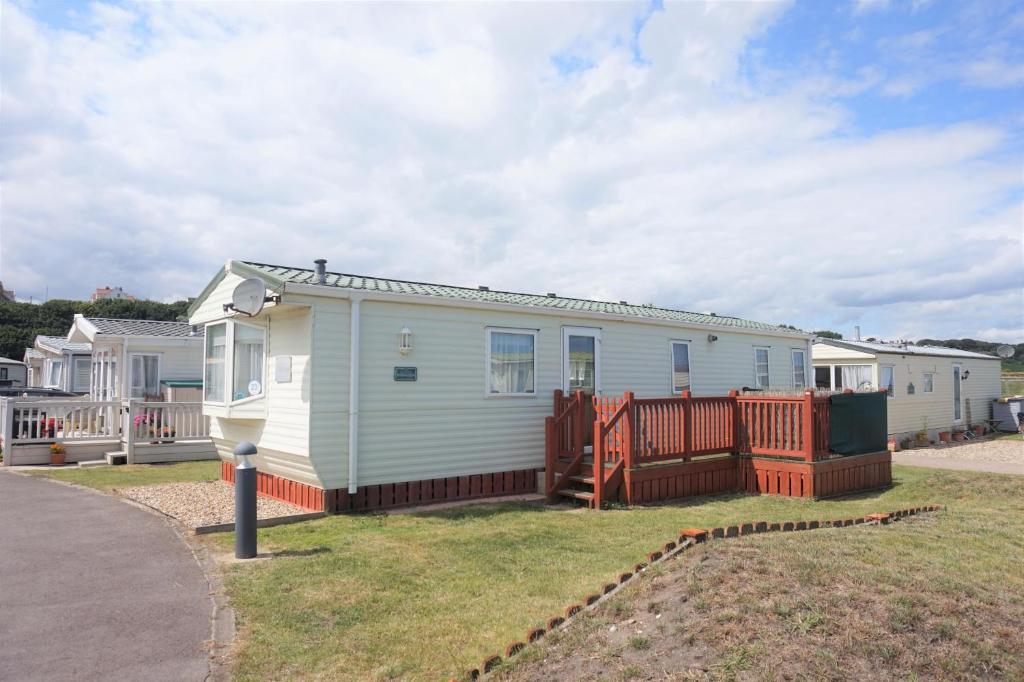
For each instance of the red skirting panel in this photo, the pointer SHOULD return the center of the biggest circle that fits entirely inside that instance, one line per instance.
(390, 495)
(768, 476)
(684, 479)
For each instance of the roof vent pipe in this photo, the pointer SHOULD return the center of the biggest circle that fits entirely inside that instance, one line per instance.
(321, 270)
(856, 332)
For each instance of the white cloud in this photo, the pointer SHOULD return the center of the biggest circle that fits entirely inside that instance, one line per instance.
(863, 6)
(993, 73)
(444, 144)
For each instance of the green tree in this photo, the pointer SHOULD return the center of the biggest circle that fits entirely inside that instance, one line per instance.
(826, 334)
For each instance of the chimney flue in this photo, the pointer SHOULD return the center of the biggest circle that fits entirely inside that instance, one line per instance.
(856, 332)
(321, 270)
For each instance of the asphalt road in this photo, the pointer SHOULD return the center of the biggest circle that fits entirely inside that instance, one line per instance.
(92, 588)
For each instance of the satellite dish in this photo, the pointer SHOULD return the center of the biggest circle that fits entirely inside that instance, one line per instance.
(248, 296)
(1005, 351)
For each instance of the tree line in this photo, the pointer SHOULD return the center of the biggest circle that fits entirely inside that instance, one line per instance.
(20, 323)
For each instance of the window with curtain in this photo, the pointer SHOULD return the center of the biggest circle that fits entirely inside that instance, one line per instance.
(145, 376)
(761, 375)
(582, 363)
(53, 376)
(929, 383)
(886, 378)
(799, 373)
(680, 366)
(215, 357)
(854, 377)
(247, 358)
(512, 362)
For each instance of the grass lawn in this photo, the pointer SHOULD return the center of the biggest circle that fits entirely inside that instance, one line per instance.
(130, 475)
(426, 596)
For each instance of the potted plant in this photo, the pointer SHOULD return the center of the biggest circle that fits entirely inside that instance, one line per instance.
(922, 438)
(57, 453)
(979, 430)
(958, 436)
(893, 445)
(944, 436)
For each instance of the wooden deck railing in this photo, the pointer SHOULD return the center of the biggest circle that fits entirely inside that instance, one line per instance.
(563, 437)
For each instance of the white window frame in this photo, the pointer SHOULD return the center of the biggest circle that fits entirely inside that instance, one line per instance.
(802, 365)
(49, 373)
(131, 370)
(672, 363)
(958, 378)
(487, 362)
(74, 387)
(927, 386)
(881, 383)
(594, 332)
(229, 363)
(768, 353)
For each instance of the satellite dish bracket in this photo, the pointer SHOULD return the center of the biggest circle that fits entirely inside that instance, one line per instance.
(276, 298)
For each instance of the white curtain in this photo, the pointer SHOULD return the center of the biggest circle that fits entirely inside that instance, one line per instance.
(857, 377)
(511, 363)
(248, 360)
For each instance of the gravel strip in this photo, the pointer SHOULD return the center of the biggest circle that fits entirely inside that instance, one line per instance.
(203, 504)
(1006, 450)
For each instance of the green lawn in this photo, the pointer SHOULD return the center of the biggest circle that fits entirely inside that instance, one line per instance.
(427, 596)
(130, 475)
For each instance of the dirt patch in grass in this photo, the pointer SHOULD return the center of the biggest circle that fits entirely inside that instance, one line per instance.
(905, 601)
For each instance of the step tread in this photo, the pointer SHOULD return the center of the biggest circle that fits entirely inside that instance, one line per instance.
(578, 494)
(589, 480)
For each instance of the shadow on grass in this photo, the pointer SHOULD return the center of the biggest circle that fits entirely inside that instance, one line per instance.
(312, 551)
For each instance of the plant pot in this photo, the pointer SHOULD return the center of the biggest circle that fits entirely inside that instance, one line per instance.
(958, 436)
(894, 445)
(57, 460)
(979, 430)
(944, 436)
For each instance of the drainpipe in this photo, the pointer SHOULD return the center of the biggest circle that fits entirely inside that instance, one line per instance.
(353, 395)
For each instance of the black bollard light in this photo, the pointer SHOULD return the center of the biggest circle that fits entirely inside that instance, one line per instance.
(245, 501)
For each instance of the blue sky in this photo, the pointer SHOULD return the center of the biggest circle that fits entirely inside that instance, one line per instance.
(819, 164)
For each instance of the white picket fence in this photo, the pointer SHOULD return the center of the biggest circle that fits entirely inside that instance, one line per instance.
(30, 422)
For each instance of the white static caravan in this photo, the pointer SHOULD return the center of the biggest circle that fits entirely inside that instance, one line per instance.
(930, 388)
(62, 364)
(349, 384)
(13, 373)
(155, 353)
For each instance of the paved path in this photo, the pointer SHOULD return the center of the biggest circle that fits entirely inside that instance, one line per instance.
(957, 464)
(92, 588)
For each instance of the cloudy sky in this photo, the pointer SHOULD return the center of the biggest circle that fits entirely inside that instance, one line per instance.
(818, 164)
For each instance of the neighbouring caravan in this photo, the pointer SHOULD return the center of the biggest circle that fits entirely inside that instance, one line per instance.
(13, 373)
(164, 360)
(931, 389)
(56, 362)
(347, 382)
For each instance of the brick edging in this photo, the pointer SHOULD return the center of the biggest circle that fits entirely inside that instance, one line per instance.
(688, 537)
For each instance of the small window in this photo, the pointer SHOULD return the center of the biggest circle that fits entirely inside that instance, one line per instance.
(822, 377)
(83, 374)
(887, 379)
(799, 373)
(3, 374)
(680, 366)
(511, 362)
(53, 377)
(216, 355)
(929, 383)
(247, 359)
(761, 376)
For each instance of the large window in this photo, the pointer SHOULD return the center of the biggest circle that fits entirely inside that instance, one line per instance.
(799, 373)
(511, 362)
(145, 375)
(887, 379)
(840, 377)
(53, 374)
(761, 374)
(243, 366)
(247, 358)
(216, 356)
(680, 366)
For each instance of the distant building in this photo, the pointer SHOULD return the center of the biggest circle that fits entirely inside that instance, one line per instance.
(6, 294)
(115, 293)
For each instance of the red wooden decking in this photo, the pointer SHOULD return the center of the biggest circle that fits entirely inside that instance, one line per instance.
(644, 449)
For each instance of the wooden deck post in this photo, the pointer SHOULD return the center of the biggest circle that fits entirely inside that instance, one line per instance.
(628, 441)
(598, 453)
(808, 425)
(688, 426)
(735, 421)
(550, 448)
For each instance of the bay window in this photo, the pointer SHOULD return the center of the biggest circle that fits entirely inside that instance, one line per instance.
(511, 362)
(244, 364)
